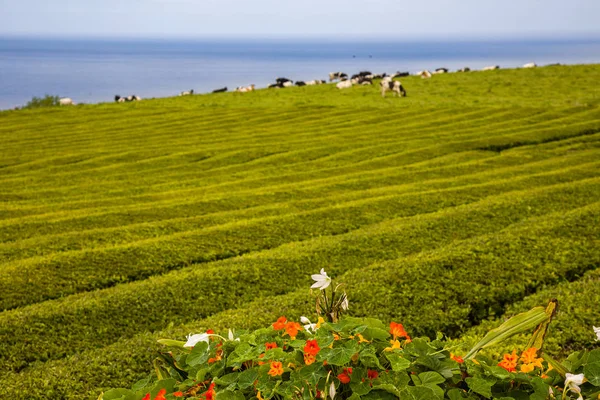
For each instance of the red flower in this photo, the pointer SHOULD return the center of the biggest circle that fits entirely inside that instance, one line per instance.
(271, 345)
(210, 332)
(161, 394)
(456, 358)
(178, 394)
(210, 393)
(344, 377)
(309, 358)
(311, 347)
(146, 397)
(372, 374)
(509, 362)
(280, 324)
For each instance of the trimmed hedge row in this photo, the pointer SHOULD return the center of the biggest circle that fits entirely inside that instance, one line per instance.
(414, 290)
(66, 273)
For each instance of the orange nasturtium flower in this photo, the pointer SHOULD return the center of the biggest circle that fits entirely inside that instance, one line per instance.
(276, 368)
(509, 362)
(530, 360)
(280, 323)
(292, 328)
(178, 394)
(311, 348)
(456, 358)
(397, 331)
(270, 345)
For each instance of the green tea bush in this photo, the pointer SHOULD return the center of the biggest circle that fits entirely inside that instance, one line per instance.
(39, 102)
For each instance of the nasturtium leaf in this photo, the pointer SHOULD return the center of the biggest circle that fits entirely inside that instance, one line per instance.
(431, 377)
(481, 386)
(360, 388)
(199, 354)
(324, 338)
(541, 389)
(592, 373)
(455, 394)
(275, 354)
(420, 393)
(398, 363)
(354, 397)
(498, 372)
(339, 355)
(368, 358)
(228, 379)
(201, 374)
(370, 333)
(230, 395)
(247, 378)
(141, 384)
(420, 348)
(311, 373)
(388, 387)
(119, 394)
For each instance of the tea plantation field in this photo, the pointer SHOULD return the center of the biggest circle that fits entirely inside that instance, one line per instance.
(472, 199)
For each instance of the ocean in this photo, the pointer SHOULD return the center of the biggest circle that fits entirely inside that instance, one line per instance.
(94, 71)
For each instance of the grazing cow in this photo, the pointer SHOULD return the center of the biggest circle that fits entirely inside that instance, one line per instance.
(244, 89)
(300, 83)
(66, 101)
(394, 86)
(530, 65)
(275, 85)
(490, 68)
(361, 80)
(288, 84)
(187, 93)
(221, 90)
(464, 69)
(337, 75)
(441, 71)
(344, 84)
(133, 97)
(283, 81)
(399, 74)
(424, 74)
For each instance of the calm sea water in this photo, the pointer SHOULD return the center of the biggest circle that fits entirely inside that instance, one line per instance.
(94, 71)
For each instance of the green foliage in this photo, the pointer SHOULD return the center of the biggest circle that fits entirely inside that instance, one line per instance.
(40, 102)
(445, 209)
(239, 367)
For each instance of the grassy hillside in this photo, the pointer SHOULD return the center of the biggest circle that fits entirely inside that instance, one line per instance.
(474, 198)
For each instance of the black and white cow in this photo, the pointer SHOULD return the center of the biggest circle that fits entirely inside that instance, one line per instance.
(300, 83)
(221, 90)
(393, 86)
(337, 75)
(284, 82)
(187, 93)
(464, 69)
(441, 71)
(133, 97)
(399, 74)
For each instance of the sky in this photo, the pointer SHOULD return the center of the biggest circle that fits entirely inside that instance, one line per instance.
(379, 19)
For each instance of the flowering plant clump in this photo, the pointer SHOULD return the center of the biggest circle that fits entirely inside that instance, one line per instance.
(361, 358)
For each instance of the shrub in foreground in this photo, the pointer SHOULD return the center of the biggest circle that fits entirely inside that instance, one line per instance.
(362, 358)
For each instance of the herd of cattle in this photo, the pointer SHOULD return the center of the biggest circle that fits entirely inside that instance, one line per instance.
(387, 82)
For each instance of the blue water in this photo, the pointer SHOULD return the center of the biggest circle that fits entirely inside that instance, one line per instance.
(94, 71)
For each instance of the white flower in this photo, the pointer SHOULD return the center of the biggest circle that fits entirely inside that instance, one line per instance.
(307, 325)
(192, 340)
(345, 303)
(572, 383)
(322, 281)
(597, 332)
(231, 337)
(332, 391)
